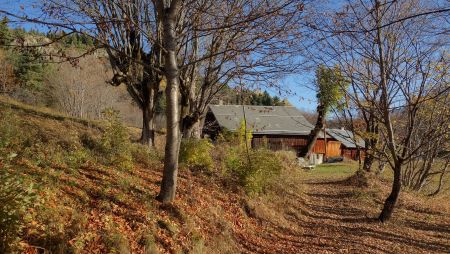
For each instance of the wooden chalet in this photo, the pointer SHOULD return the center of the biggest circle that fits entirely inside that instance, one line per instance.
(277, 127)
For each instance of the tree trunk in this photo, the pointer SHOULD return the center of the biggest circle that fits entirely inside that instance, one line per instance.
(325, 157)
(381, 167)
(315, 132)
(198, 128)
(169, 180)
(370, 143)
(424, 176)
(188, 131)
(441, 179)
(148, 112)
(148, 133)
(368, 161)
(191, 127)
(390, 202)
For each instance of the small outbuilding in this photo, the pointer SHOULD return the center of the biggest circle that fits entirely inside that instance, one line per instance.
(352, 147)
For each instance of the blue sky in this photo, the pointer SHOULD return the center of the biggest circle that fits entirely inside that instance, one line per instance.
(299, 94)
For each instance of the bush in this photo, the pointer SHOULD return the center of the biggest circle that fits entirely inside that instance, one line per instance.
(196, 153)
(16, 197)
(254, 170)
(58, 228)
(77, 158)
(114, 240)
(288, 159)
(148, 242)
(226, 136)
(10, 136)
(89, 142)
(144, 155)
(115, 142)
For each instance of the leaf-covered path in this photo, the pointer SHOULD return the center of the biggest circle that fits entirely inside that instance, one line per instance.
(334, 217)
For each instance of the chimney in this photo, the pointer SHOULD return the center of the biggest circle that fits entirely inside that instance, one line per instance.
(220, 102)
(342, 128)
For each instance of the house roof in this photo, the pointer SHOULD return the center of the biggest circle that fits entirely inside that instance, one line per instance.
(280, 120)
(346, 137)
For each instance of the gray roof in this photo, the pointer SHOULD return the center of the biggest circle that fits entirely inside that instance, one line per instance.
(263, 119)
(346, 137)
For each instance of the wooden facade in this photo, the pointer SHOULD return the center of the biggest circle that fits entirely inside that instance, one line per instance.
(352, 153)
(296, 143)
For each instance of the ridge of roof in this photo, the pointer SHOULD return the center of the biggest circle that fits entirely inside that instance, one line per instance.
(346, 137)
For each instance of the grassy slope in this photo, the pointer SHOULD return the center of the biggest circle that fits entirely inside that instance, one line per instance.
(94, 208)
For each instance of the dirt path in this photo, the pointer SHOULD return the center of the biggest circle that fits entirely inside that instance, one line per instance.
(331, 217)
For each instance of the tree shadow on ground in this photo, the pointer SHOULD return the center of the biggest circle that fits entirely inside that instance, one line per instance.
(444, 229)
(328, 220)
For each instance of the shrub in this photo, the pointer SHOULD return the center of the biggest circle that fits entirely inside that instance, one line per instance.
(89, 142)
(117, 243)
(77, 158)
(288, 158)
(10, 136)
(255, 169)
(58, 228)
(148, 242)
(196, 153)
(16, 197)
(114, 240)
(144, 155)
(115, 142)
(47, 154)
(198, 244)
(227, 136)
(81, 240)
(244, 135)
(169, 226)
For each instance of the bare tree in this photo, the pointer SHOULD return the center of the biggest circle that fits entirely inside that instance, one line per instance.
(393, 71)
(168, 13)
(123, 30)
(138, 68)
(218, 49)
(430, 159)
(82, 90)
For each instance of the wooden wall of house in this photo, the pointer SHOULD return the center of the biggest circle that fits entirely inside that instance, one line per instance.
(279, 142)
(352, 153)
(294, 142)
(333, 148)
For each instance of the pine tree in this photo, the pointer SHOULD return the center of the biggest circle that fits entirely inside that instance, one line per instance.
(266, 99)
(5, 33)
(277, 101)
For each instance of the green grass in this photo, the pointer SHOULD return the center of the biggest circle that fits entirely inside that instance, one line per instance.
(333, 170)
(346, 169)
(388, 175)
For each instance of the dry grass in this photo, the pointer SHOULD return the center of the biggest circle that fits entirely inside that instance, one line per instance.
(45, 112)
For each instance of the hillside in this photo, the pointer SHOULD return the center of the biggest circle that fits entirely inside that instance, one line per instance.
(85, 202)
